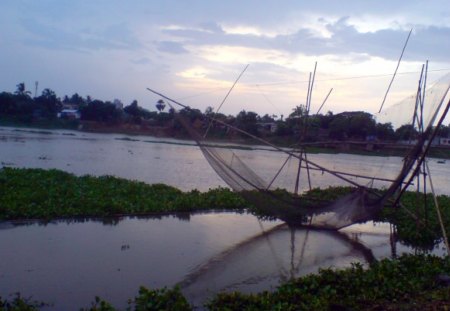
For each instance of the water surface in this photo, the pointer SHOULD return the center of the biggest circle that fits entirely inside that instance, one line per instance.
(69, 263)
(181, 163)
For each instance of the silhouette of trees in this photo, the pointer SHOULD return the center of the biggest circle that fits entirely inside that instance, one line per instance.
(47, 105)
(160, 105)
(358, 125)
(247, 121)
(100, 111)
(21, 90)
(406, 132)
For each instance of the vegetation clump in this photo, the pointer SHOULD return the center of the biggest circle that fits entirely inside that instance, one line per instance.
(149, 300)
(407, 283)
(20, 303)
(416, 221)
(50, 194)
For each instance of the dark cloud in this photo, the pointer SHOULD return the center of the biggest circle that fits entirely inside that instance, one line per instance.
(425, 43)
(117, 37)
(171, 47)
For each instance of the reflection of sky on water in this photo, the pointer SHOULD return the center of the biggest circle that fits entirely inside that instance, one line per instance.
(183, 166)
(69, 264)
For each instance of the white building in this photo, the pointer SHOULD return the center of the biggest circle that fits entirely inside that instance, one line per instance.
(69, 114)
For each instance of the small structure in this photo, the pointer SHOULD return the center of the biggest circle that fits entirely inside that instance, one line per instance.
(444, 141)
(268, 126)
(71, 114)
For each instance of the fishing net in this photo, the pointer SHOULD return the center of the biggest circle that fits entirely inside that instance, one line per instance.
(273, 178)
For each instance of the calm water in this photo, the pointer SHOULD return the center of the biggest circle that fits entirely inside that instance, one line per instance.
(68, 263)
(155, 160)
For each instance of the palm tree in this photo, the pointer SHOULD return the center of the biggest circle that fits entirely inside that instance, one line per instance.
(21, 91)
(160, 105)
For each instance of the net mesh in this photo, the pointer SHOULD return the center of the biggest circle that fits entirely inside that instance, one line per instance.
(256, 176)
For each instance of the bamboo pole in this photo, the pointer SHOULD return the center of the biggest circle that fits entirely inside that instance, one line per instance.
(422, 156)
(224, 99)
(395, 72)
(324, 101)
(436, 204)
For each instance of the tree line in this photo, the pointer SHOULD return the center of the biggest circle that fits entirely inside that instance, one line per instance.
(21, 107)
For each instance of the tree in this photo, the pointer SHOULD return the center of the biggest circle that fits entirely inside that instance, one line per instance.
(209, 111)
(160, 105)
(48, 104)
(21, 90)
(100, 111)
(361, 124)
(266, 118)
(247, 121)
(298, 111)
(385, 131)
(7, 104)
(406, 132)
(132, 109)
(339, 128)
(325, 120)
(283, 129)
(76, 99)
(444, 131)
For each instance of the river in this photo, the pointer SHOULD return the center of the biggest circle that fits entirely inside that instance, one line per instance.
(68, 263)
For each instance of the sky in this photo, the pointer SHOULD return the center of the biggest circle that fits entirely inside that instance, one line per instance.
(193, 51)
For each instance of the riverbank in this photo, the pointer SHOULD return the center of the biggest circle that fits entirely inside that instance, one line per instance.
(329, 147)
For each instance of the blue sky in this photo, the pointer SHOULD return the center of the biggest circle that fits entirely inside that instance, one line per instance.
(194, 50)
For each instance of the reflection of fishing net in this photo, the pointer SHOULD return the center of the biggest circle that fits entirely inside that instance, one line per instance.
(257, 176)
(275, 255)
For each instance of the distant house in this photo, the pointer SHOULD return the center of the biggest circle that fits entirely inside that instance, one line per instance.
(268, 126)
(71, 114)
(444, 141)
(69, 106)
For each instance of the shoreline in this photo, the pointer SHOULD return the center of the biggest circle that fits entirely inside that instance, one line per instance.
(345, 147)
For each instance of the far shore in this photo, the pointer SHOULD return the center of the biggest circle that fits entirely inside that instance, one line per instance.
(328, 147)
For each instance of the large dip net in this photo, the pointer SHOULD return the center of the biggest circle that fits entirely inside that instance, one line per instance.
(274, 178)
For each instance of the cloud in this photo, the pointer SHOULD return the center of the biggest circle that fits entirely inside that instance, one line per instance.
(141, 61)
(113, 37)
(344, 39)
(171, 47)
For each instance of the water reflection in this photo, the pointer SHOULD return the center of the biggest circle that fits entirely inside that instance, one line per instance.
(68, 262)
(106, 221)
(272, 257)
